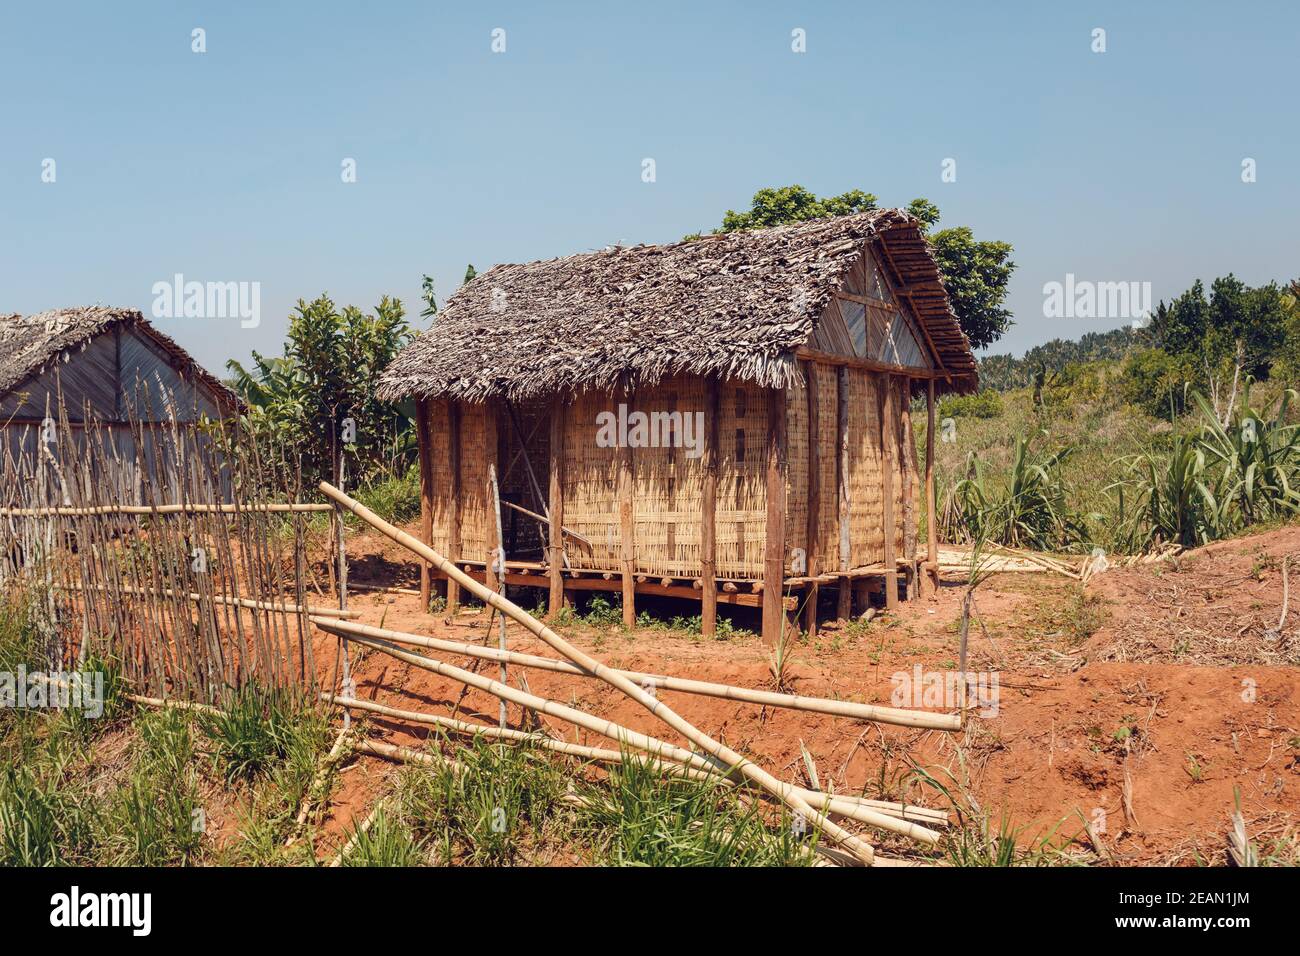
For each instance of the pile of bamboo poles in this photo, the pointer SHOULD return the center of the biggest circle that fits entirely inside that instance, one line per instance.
(705, 756)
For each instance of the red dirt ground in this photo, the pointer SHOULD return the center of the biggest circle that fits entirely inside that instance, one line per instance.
(1175, 676)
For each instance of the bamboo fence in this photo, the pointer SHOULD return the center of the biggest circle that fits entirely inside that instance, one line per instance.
(175, 547)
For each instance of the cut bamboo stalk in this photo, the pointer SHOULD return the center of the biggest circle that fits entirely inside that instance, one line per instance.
(817, 705)
(658, 748)
(858, 847)
(842, 805)
(218, 599)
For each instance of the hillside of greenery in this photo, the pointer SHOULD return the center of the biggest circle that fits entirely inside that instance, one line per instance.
(1183, 431)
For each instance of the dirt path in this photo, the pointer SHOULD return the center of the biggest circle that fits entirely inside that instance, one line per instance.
(1170, 684)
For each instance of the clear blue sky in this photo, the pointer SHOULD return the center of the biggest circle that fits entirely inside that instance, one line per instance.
(225, 165)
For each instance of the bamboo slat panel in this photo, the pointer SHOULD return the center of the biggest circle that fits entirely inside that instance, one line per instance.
(591, 485)
(667, 481)
(866, 508)
(478, 443)
(828, 513)
(796, 495)
(440, 455)
(742, 491)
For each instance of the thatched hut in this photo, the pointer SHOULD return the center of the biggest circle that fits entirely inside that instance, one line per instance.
(795, 349)
(106, 371)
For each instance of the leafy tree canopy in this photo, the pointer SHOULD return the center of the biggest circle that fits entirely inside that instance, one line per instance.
(329, 372)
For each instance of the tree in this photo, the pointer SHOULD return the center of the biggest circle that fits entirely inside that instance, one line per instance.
(975, 273)
(1236, 331)
(470, 273)
(321, 393)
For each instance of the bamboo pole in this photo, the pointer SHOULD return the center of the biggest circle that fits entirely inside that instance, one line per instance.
(816, 705)
(198, 598)
(501, 578)
(859, 848)
(465, 728)
(659, 748)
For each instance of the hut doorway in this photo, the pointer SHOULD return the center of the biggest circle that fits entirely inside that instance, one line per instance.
(523, 451)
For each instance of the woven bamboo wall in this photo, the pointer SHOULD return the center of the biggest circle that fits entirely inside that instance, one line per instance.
(440, 465)
(866, 508)
(742, 481)
(796, 488)
(668, 482)
(591, 485)
(478, 447)
(827, 452)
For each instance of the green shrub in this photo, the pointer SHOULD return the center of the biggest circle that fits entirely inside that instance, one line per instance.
(985, 404)
(1156, 382)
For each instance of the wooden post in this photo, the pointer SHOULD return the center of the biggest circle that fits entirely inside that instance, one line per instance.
(812, 537)
(888, 442)
(709, 509)
(422, 436)
(774, 544)
(931, 529)
(845, 607)
(555, 551)
(627, 523)
(453, 507)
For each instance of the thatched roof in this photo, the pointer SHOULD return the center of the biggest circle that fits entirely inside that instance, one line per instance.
(30, 344)
(737, 305)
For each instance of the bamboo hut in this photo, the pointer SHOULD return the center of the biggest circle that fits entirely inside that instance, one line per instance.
(757, 385)
(106, 373)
